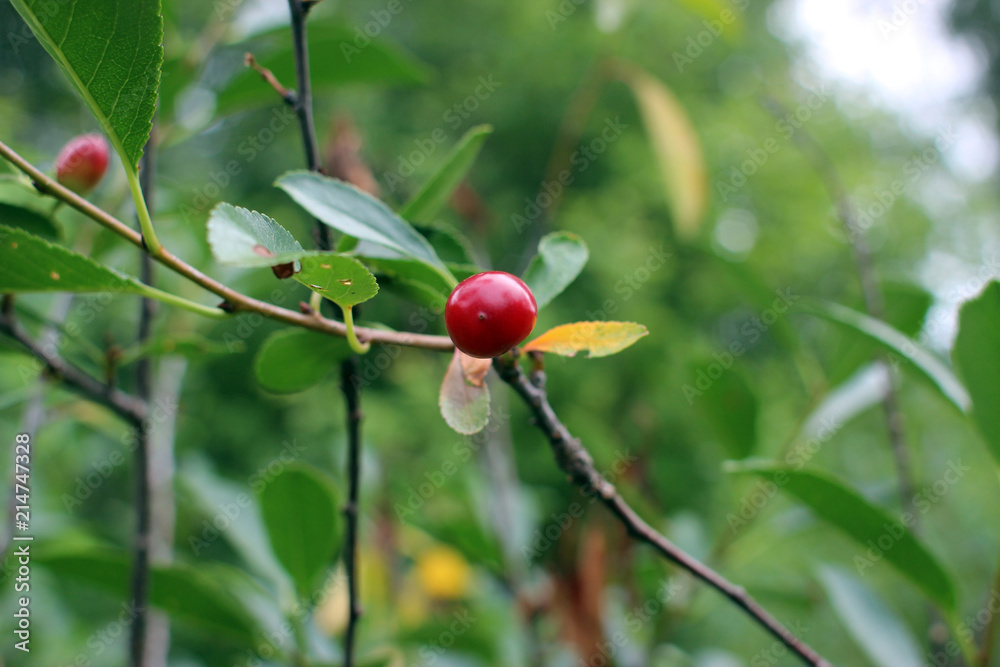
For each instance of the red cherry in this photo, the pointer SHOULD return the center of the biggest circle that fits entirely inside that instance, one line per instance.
(490, 313)
(82, 162)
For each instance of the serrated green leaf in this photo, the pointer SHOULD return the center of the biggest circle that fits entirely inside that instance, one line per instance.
(302, 516)
(435, 192)
(977, 354)
(878, 534)
(358, 214)
(111, 52)
(294, 360)
(876, 628)
(184, 593)
(31, 264)
(465, 398)
(341, 279)
(560, 259)
(24, 207)
(905, 349)
(343, 63)
(240, 237)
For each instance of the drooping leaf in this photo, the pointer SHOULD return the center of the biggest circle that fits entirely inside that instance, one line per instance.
(465, 400)
(186, 594)
(24, 207)
(31, 264)
(977, 355)
(331, 44)
(876, 628)
(560, 259)
(302, 516)
(358, 214)
(600, 338)
(878, 535)
(902, 348)
(678, 151)
(111, 52)
(435, 192)
(293, 360)
(343, 280)
(240, 237)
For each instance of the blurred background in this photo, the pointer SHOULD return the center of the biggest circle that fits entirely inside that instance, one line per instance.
(476, 551)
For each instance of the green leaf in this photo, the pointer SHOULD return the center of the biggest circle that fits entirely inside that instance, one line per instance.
(678, 151)
(331, 44)
(357, 214)
(465, 397)
(435, 192)
(732, 407)
(24, 207)
(301, 513)
(902, 348)
(31, 264)
(878, 534)
(240, 237)
(343, 280)
(560, 259)
(875, 627)
(183, 592)
(294, 360)
(977, 355)
(111, 52)
(449, 244)
(194, 346)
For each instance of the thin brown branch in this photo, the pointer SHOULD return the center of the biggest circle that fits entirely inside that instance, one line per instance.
(576, 462)
(126, 406)
(268, 76)
(235, 301)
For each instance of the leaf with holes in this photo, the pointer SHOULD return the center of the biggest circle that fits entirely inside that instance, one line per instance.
(560, 259)
(302, 515)
(240, 237)
(294, 360)
(343, 280)
(465, 398)
(111, 52)
(600, 338)
(435, 192)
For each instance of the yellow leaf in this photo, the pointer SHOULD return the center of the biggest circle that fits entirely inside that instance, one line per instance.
(601, 338)
(677, 149)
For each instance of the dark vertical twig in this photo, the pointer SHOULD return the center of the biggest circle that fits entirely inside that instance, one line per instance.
(349, 368)
(870, 289)
(143, 382)
(577, 463)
